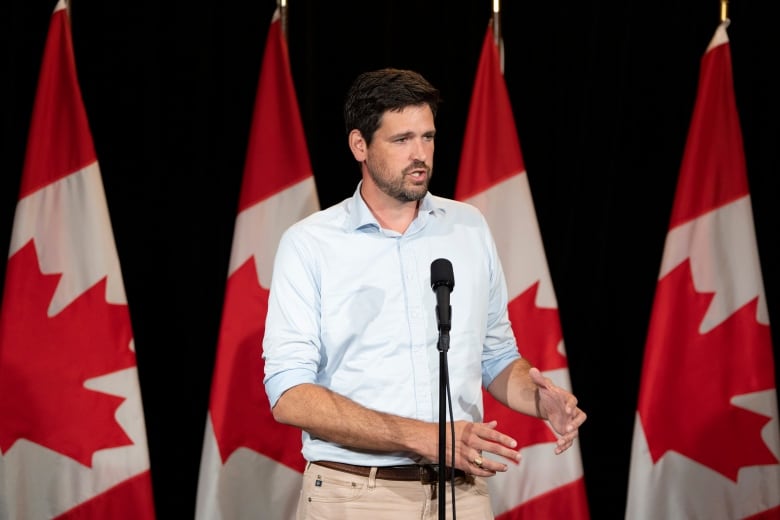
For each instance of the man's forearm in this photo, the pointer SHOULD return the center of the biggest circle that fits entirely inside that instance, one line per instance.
(337, 419)
(514, 388)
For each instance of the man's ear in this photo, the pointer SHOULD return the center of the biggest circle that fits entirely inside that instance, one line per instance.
(358, 145)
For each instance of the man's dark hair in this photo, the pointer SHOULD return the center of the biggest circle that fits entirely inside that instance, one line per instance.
(373, 93)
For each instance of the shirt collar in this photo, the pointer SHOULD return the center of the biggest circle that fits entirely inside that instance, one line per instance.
(360, 217)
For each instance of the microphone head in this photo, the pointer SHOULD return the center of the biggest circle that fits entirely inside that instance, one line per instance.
(441, 274)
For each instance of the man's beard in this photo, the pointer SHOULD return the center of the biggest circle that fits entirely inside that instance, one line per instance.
(397, 188)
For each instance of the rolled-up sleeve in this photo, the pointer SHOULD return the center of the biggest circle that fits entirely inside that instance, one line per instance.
(291, 349)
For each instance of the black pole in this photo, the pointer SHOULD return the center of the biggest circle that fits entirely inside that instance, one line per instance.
(444, 346)
(442, 282)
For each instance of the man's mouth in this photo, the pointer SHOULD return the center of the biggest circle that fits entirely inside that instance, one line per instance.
(417, 172)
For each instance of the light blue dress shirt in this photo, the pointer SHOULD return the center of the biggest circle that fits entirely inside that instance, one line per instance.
(351, 308)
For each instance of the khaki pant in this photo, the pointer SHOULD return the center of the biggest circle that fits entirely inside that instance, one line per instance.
(328, 494)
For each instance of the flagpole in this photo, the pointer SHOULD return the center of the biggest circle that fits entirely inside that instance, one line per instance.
(497, 36)
(496, 22)
(282, 5)
(724, 10)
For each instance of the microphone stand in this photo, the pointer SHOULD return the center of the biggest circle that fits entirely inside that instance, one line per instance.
(444, 346)
(442, 282)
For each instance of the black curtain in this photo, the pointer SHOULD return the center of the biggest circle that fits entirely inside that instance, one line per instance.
(602, 94)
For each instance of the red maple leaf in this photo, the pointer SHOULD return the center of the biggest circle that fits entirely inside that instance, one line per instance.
(239, 407)
(690, 378)
(538, 332)
(44, 362)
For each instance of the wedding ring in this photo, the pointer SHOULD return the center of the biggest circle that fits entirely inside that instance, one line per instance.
(478, 461)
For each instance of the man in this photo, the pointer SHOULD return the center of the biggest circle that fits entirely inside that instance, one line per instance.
(351, 337)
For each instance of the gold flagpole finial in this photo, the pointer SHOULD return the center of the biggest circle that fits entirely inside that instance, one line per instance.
(724, 10)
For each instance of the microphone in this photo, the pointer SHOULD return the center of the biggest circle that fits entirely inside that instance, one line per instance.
(442, 283)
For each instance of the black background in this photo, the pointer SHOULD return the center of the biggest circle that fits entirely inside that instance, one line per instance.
(602, 94)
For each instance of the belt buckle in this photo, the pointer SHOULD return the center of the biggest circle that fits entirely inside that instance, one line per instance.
(429, 473)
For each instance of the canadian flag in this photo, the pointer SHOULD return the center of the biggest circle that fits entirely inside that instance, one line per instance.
(706, 440)
(251, 465)
(492, 177)
(72, 433)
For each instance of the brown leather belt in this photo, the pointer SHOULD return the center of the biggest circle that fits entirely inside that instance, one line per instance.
(423, 473)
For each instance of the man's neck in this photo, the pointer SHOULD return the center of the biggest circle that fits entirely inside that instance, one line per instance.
(389, 212)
